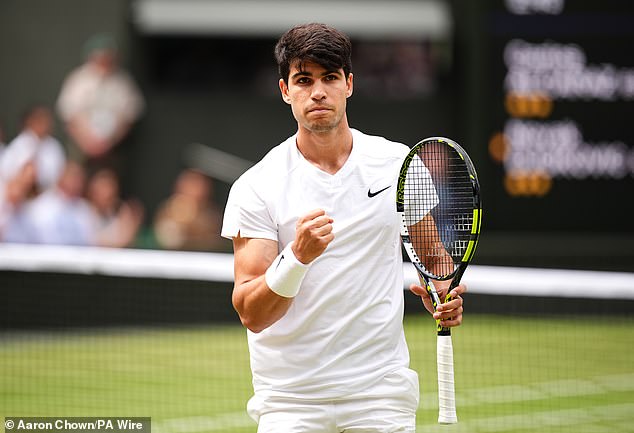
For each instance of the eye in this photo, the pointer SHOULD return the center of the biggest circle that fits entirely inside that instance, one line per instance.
(303, 80)
(331, 77)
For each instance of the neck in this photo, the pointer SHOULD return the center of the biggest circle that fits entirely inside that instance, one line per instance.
(328, 150)
(40, 135)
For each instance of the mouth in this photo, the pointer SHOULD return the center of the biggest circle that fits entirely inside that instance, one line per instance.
(319, 109)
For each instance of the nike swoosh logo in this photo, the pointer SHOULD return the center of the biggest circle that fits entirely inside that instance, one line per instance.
(372, 194)
(278, 263)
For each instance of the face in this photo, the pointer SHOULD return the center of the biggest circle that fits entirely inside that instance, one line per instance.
(103, 190)
(41, 122)
(72, 180)
(105, 61)
(317, 96)
(194, 185)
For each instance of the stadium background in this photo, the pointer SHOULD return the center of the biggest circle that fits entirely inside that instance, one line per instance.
(83, 339)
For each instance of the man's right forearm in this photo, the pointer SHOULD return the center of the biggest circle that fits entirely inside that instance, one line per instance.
(257, 305)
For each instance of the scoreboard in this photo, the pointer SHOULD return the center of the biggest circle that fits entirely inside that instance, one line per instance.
(559, 121)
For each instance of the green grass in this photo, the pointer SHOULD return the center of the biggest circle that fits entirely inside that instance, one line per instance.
(512, 375)
(530, 374)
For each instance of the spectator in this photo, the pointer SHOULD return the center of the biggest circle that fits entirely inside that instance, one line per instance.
(35, 144)
(14, 194)
(117, 221)
(59, 215)
(188, 219)
(99, 102)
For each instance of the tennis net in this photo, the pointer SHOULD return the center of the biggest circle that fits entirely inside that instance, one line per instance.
(135, 333)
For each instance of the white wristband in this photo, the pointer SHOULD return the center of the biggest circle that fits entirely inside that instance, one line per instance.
(286, 273)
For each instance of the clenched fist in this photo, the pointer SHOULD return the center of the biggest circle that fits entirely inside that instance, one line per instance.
(313, 233)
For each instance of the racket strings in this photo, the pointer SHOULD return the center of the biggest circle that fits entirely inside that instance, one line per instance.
(438, 199)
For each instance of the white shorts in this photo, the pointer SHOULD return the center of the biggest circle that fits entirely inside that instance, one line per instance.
(389, 407)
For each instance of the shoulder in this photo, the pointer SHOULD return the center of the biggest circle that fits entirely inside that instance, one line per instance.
(43, 206)
(24, 138)
(273, 168)
(252, 195)
(78, 74)
(22, 146)
(374, 146)
(51, 144)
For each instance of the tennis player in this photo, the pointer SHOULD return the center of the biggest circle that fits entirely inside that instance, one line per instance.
(318, 263)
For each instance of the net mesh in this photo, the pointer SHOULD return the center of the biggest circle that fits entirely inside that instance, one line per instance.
(173, 349)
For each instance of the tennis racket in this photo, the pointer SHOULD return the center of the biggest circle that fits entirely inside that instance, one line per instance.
(438, 200)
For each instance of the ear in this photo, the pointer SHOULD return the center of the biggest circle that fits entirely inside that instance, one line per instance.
(284, 91)
(349, 85)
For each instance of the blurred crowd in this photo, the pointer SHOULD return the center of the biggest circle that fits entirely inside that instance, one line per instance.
(71, 194)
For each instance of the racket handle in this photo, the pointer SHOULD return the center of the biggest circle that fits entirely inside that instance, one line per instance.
(446, 392)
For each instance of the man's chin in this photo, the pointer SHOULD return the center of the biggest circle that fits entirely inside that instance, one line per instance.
(322, 126)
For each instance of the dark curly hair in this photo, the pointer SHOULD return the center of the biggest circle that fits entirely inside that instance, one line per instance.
(314, 42)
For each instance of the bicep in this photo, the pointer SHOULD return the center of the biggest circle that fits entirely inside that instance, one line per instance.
(252, 257)
(257, 305)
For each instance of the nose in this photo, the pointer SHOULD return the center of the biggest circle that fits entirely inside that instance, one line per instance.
(318, 92)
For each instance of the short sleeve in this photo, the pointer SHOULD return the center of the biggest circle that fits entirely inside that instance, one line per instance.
(421, 196)
(247, 214)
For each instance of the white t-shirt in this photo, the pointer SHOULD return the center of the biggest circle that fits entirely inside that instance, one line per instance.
(47, 153)
(343, 332)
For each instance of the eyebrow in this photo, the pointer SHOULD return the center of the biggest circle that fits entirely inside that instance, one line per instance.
(308, 74)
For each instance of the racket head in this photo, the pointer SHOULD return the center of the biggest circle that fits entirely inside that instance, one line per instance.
(438, 200)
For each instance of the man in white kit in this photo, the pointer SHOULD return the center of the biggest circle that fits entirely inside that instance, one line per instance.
(318, 263)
